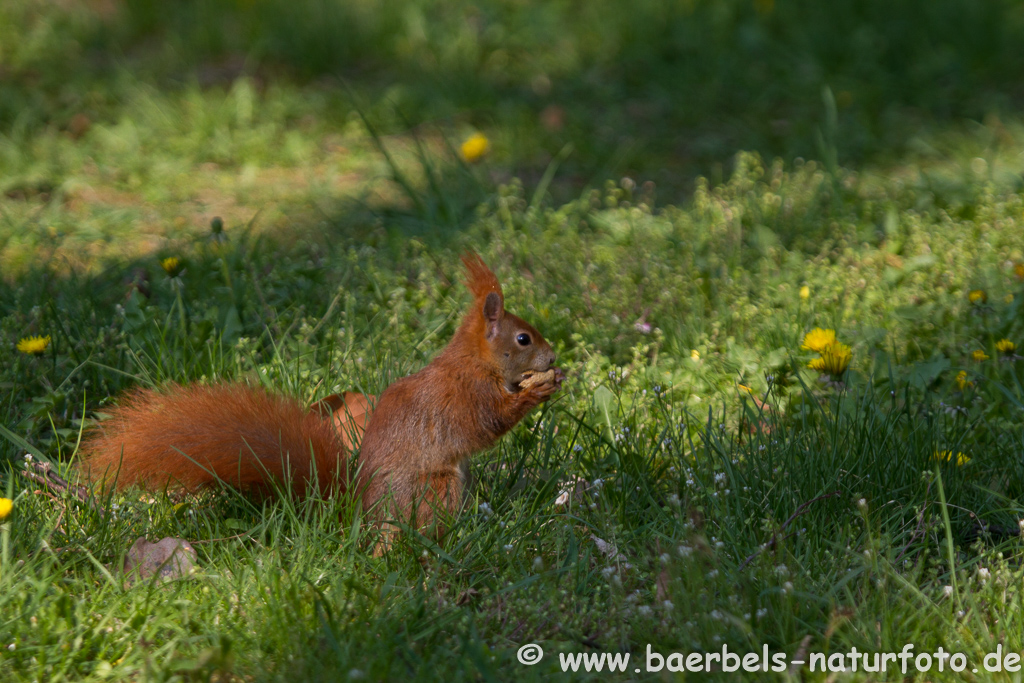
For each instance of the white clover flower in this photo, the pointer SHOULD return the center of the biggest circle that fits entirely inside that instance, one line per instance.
(664, 558)
(684, 551)
(644, 610)
(485, 510)
(782, 571)
(947, 591)
(715, 614)
(787, 587)
(608, 572)
(713, 574)
(667, 605)
(984, 574)
(538, 563)
(673, 500)
(719, 544)
(762, 613)
(508, 548)
(862, 505)
(720, 477)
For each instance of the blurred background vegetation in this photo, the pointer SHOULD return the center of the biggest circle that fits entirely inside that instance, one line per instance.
(658, 89)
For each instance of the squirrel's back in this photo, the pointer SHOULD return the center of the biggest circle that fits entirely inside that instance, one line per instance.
(191, 436)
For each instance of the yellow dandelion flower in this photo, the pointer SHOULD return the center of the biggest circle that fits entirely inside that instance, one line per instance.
(1008, 298)
(978, 296)
(6, 505)
(962, 381)
(818, 339)
(1018, 270)
(834, 360)
(1005, 346)
(34, 346)
(979, 355)
(745, 388)
(805, 292)
(475, 147)
(695, 354)
(947, 456)
(172, 265)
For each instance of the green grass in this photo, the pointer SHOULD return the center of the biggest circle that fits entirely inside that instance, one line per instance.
(749, 502)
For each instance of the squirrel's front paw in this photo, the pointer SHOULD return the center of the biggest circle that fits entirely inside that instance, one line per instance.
(542, 385)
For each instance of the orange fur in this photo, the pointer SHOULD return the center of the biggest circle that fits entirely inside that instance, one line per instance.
(191, 436)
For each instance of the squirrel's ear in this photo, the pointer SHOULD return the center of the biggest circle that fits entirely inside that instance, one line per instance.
(493, 311)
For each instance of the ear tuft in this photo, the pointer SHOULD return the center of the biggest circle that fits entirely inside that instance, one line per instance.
(480, 280)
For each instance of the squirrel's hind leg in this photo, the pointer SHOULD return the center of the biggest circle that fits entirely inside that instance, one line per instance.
(428, 505)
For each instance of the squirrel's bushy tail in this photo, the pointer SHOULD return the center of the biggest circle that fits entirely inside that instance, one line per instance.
(193, 436)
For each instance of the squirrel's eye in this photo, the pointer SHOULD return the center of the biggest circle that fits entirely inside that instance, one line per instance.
(523, 339)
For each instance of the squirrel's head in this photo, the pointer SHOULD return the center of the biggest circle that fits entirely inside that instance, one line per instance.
(514, 346)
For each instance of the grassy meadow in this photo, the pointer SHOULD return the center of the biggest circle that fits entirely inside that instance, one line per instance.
(676, 194)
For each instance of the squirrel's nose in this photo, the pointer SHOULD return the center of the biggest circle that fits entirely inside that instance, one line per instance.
(551, 359)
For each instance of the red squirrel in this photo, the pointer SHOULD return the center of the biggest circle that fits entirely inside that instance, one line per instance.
(416, 441)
